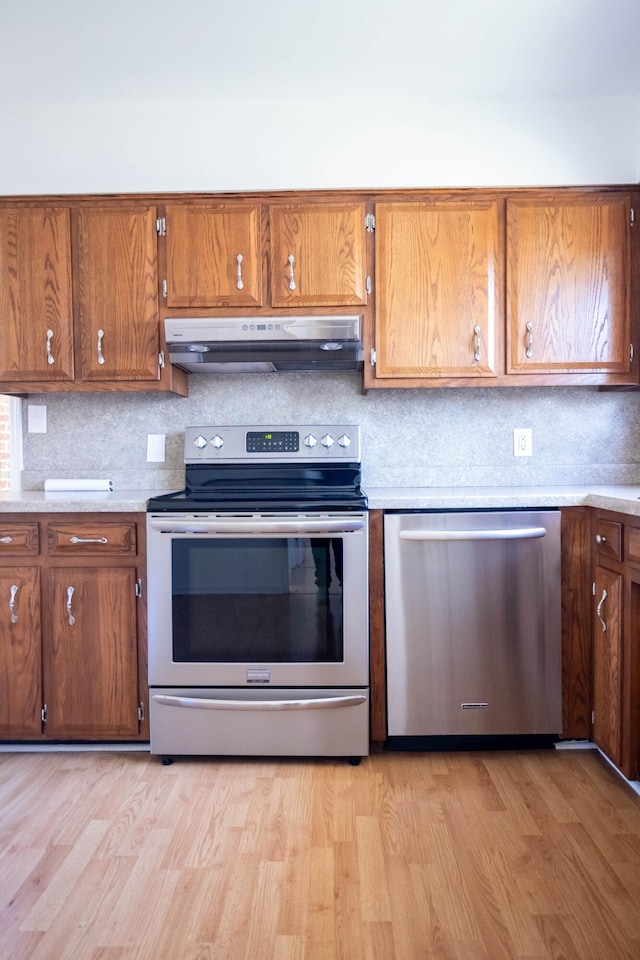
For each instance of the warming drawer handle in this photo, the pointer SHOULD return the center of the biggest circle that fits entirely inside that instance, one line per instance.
(246, 528)
(515, 533)
(320, 703)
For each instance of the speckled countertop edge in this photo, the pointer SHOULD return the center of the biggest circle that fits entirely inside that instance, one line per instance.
(619, 498)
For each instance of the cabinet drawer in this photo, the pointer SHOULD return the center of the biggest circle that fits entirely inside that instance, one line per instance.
(19, 538)
(632, 544)
(94, 539)
(608, 536)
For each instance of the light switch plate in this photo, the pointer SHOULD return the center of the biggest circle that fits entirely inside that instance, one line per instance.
(155, 447)
(36, 418)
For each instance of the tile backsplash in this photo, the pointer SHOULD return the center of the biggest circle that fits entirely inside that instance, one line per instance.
(412, 437)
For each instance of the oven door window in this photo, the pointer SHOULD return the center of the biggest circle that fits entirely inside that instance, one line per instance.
(257, 600)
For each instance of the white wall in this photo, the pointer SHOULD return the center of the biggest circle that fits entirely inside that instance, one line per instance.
(304, 144)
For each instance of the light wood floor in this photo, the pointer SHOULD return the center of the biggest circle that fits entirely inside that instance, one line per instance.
(112, 856)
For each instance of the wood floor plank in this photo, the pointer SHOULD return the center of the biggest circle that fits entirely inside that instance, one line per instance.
(448, 856)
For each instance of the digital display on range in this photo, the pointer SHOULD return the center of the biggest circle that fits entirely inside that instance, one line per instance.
(282, 441)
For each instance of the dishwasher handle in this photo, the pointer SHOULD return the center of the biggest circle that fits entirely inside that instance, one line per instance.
(510, 533)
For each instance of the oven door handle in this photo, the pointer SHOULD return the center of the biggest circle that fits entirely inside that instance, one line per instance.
(313, 703)
(247, 527)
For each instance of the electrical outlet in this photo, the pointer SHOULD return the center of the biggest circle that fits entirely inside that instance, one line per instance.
(522, 442)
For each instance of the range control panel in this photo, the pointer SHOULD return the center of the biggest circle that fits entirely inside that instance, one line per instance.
(284, 443)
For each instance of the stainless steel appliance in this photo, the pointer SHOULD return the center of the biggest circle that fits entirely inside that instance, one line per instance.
(258, 596)
(265, 344)
(473, 627)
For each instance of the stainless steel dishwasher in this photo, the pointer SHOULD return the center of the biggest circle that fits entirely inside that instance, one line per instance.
(473, 629)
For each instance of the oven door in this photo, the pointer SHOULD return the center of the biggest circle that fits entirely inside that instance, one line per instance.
(258, 600)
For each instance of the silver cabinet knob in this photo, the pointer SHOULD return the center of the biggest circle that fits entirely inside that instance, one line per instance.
(600, 538)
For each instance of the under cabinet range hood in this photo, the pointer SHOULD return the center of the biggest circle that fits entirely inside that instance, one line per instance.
(265, 344)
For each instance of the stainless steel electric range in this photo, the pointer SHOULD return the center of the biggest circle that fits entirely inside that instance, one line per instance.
(258, 596)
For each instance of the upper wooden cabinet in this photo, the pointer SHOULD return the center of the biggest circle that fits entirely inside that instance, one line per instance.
(79, 301)
(214, 255)
(36, 301)
(318, 254)
(568, 283)
(438, 289)
(118, 294)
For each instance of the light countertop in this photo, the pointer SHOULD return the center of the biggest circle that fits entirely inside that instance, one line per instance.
(622, 498)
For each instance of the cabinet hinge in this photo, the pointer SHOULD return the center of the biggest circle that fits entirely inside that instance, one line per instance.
(370, 222)
(368, 285)
(630, 351)
(161, 226)
(164, 288)
(138, 587)
(593, 588)
(161, 359)
(632, 216)
(43, 713)
(373, 357)
(593, 716)
(140, 712)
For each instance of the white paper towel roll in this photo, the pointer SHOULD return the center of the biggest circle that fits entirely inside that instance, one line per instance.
(79, 485)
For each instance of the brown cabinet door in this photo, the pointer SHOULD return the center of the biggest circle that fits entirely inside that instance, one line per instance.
(214, 255)
(118, 294)
(318, 255)
(438, 289)
(568, 284)
(20, 676)
(90, 665)
(36, 303)
(607, 663)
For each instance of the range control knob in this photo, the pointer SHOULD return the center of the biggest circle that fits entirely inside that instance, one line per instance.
(344, 440)
(217, 441)
(327, 441)
(200, 442)
(310, 441)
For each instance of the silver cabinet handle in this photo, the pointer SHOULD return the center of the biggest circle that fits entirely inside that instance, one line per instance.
(50, 358)
(600, 538)
(292, 281)
(100, 356)
(6, 539)
(477, 331)
(239, 283)
(70, 593)
(13, 593)
(88, 540)
(529, 350)
(599, 611)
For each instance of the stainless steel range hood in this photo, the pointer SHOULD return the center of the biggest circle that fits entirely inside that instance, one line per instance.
(265, 344)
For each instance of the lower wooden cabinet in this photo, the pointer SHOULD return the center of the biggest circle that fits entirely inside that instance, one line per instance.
(616, 639)
(20, 652)
(73, 628)
(607, 662)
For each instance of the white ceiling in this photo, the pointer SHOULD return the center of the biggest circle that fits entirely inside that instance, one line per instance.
(69, 51)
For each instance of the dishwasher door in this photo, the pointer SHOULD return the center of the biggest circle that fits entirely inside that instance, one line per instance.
(473, 624)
